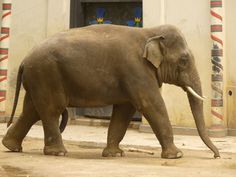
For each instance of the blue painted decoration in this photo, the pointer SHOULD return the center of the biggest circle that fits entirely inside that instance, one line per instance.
(137, 21)
(100, 13)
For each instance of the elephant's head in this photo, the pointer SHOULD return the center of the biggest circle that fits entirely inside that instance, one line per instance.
(169, 53)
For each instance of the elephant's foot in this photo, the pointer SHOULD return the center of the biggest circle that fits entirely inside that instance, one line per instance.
(12, 144)
(171, 153)
(113, 152)
(57, 150)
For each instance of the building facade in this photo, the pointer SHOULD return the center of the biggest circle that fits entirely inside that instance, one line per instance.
(32, 22)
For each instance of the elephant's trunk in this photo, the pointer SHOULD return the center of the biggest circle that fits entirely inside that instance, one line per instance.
(197, 111)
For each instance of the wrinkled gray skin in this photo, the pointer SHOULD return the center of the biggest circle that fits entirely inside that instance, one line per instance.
(101, 65)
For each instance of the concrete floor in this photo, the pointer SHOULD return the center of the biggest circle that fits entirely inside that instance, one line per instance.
(96, 136)
(85, 144)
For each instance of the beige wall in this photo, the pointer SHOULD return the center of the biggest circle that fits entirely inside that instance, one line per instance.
(230, 24)
(230, 41)
(32, 22)
(58, 16)
(151, 13)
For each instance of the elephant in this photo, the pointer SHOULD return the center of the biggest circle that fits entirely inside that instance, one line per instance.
(101, 65)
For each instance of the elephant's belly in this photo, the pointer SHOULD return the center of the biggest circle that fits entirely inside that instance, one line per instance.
(97, 98)
(93, 86)
(95, 102)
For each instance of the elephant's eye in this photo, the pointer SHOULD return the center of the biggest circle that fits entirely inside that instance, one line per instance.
(183, 62)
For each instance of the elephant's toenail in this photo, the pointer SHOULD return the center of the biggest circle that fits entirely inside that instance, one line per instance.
(18, 150)
(179, 154)
(61, 154)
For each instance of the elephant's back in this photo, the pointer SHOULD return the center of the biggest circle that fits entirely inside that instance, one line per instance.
(104, 33)
(93, 46)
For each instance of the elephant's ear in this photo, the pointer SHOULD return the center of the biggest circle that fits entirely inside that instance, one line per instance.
(154, 50)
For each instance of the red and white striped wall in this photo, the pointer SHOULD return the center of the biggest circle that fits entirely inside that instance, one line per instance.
(217, 36)
(4, 52)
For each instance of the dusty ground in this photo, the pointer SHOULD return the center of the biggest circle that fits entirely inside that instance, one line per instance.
(87, 161)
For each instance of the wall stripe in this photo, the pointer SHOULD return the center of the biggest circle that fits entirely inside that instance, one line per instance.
(5, 30)
(218, 16)
(6, 6)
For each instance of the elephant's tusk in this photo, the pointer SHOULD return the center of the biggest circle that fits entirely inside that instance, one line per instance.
(195, 94)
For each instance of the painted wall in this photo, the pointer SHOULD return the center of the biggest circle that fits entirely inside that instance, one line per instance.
(151, 13)
(230, 41)
(230, 24)
(32, 22)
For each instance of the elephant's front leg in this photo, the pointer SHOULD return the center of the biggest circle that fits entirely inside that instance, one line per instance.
(158, 119)
(121, 117)
(151, 104)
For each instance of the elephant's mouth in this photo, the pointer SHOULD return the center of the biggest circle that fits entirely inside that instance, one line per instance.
(195, 94)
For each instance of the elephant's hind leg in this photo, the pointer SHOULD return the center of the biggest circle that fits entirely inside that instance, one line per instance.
(16, 133)
(49, 113)
(121, 117)
(46, 88)
(52, 136)
(50, 106)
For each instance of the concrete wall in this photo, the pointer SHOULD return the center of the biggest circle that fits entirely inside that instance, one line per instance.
(231, 61)
(58, 16)
(152, 13)
(230, 41)
(32, 22)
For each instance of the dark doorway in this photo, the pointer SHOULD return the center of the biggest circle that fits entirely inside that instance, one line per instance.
(119, 12)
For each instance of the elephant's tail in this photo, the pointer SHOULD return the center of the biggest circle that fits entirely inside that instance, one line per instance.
(64, 120)
(18, 85)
